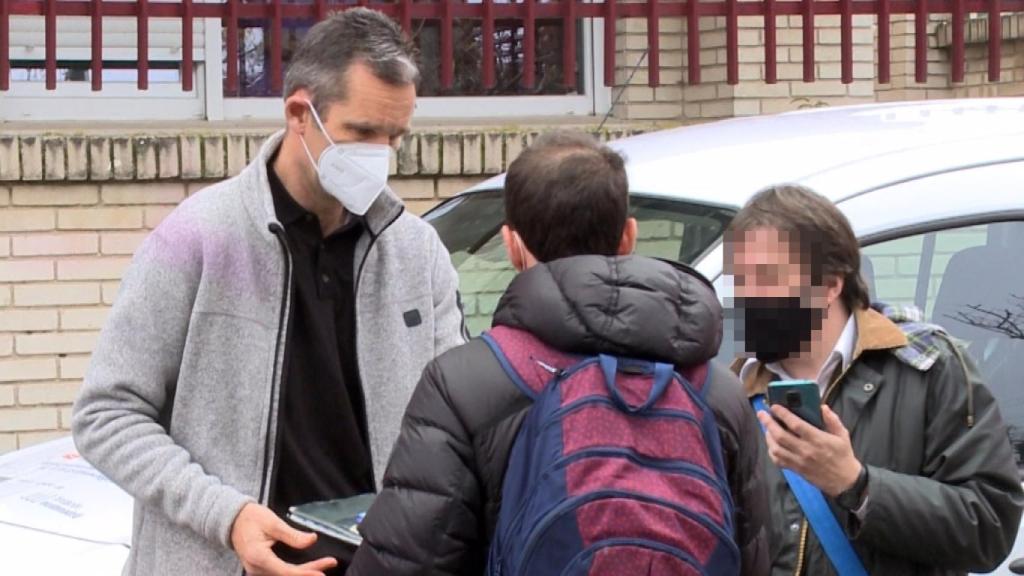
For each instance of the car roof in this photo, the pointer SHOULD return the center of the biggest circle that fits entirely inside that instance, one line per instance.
(838, 151)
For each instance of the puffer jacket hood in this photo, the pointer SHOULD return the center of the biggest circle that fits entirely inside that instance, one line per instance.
(630, 306)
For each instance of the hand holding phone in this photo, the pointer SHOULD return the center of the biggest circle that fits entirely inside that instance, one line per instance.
(801, 397)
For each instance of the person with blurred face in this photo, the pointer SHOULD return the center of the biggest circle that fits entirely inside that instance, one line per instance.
(914, 460)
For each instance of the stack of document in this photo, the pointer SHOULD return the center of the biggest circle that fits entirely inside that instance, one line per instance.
(338, 519)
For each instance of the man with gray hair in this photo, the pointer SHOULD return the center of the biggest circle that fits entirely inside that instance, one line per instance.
(268, 335)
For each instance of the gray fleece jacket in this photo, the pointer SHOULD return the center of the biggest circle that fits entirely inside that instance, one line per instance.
(180, 403)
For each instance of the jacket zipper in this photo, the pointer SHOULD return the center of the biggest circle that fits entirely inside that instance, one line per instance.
(278, 232)
(355, 320)
(277, 377)
(803, 548)
(265, 489)
(802, 552)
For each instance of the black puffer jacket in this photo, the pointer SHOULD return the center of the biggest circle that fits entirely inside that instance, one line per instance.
(442, 490)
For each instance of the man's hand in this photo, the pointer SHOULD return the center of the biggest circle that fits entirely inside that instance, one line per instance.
(255, 532)
(823, 458)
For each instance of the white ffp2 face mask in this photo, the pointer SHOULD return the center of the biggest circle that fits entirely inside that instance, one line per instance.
(353, 173)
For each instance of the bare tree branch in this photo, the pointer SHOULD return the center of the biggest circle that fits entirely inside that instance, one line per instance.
(1007, 321)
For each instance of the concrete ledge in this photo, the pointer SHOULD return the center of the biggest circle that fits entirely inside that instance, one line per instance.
(976, 30)
(145, 155)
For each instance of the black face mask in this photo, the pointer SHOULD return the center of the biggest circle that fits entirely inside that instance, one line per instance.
(774, 329)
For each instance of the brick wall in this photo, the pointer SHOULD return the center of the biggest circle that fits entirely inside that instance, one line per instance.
(976, 83)
(714, 98)
(74, 207)
(62, 251)
(939, 81)
(637, 100)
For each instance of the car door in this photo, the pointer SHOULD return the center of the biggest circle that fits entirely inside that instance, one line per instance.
(970, 280)
(959, 258)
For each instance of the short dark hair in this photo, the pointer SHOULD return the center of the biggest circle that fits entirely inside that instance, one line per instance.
(567, 195)
(822, 231)
(355, 35)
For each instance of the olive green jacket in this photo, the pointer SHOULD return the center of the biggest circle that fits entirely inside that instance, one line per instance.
(944, 493)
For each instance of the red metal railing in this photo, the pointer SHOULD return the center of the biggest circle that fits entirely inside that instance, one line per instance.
(528, 12)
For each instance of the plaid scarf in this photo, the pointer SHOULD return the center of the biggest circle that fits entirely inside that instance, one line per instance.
(922, 350)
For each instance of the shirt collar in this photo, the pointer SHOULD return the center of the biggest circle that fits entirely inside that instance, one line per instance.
(288, 210)
(847, 342)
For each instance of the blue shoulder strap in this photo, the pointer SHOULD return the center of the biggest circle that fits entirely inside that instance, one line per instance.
(837, 546)
(507, 366)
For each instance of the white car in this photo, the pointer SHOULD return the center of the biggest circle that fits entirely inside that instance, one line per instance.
(59, 516)
(935, 192)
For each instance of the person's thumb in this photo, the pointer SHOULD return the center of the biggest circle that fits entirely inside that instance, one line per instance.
(291, 537)
(833, 425)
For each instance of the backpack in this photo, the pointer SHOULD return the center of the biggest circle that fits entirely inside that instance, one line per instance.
(617, 468)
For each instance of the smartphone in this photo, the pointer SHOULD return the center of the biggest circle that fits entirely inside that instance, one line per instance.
(801, 397)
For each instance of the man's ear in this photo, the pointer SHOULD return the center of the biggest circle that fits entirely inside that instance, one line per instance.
(834, 285)
(296, 112)
(512, 249)
(627, 244)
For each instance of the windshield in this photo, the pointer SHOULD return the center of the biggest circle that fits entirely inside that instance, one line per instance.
(470, 227)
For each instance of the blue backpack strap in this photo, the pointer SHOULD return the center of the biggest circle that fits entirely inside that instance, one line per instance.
(506, 365)
(529, 362)
(837, 546)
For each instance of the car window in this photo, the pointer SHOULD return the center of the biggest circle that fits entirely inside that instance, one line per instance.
(470, 227)
(970, 281)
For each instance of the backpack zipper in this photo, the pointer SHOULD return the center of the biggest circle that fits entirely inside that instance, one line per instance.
(653, 413)
(647, 462)
(682, 468)
(596, 547)
(571, 503)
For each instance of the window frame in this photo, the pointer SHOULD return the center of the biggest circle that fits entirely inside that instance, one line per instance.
(595, 99)
(75, 101)
(30, 101)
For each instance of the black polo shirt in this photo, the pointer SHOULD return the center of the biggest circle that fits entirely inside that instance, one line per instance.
(323, 449)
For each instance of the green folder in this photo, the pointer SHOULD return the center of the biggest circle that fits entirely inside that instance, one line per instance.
(338, 519)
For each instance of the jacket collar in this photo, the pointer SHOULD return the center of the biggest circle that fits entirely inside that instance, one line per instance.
(259, 200)
(874, 332)
(630, 306)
